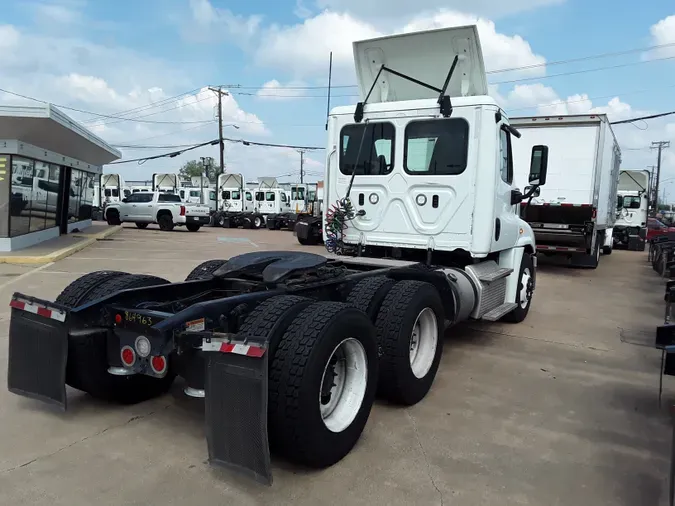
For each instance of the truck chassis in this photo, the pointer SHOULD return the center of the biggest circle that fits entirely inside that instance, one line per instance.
(236, 219)
(288, 348)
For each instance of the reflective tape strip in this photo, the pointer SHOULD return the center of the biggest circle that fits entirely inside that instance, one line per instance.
(44, 311)
(236, 348)
(561, 248)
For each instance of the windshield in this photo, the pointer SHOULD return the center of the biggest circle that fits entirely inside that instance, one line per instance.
(631, 202)
(376, 154)
(297, 193)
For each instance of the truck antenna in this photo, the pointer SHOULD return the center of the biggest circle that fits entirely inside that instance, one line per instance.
(330, 76)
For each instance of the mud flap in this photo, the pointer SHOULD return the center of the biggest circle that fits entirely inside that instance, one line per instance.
(236, 414)
(38, 352)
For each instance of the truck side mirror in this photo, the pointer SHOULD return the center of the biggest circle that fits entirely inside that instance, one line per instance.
(538, 165)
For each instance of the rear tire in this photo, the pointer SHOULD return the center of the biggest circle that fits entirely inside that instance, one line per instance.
(205, 270)
(257, 221)
(193, 227)
(410, 327)
(316, 420)
(272, 317)
(165, 222)
(368, 295)
(141, 225)
(309, 241)
(113, 217)
(606, 250)
(79, 289)
(87, 366)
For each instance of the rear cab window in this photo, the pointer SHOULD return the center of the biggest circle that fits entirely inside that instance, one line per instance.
(166, 197)
(376, 154)
(436, 147)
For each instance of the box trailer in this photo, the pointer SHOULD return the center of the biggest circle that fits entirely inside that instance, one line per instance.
(574, 213)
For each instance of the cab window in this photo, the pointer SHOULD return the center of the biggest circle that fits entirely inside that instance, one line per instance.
(270, 197)
(505, 156)
(226, 195)
(259, 196)
(376, 153)
(436, 147)
(249, 197)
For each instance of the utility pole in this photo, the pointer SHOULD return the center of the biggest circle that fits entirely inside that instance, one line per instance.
(302, 167)
(660, 146)
(219, 91)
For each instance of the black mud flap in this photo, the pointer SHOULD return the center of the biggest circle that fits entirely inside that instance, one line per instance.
(236, 414)
(38, 352)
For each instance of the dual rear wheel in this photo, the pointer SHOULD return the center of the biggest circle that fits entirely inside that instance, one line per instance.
(329, 360)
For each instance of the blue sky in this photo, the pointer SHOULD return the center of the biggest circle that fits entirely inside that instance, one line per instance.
(108, 57)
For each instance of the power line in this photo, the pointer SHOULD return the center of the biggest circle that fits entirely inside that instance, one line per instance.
(61, 106)
(494, 71)
(215, 142)
(137, 118)
(640, 118)
(575, 72)
(152, 105)
(166, 155)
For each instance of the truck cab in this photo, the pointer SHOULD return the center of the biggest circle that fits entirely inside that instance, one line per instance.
(427, 169)
(632, 207)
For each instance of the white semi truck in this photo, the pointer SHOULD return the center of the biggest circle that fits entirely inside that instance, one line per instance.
(236, 204)
(632, 209)
(574, 213)
(289, 348)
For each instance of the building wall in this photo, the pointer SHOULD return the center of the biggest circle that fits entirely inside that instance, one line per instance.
(37, 195)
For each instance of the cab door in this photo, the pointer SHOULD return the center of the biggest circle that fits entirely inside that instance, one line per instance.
(505, 225)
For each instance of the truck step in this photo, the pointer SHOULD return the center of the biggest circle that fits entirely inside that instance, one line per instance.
(498, 312)
(489, 277)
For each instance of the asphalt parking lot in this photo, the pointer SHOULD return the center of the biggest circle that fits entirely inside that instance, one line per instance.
(558, 410)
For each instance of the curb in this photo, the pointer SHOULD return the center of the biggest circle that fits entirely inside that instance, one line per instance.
(89, 239)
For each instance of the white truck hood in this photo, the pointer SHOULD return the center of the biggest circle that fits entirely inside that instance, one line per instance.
(426, 56)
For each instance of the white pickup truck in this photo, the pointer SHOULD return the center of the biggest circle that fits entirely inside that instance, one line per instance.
(165, 209)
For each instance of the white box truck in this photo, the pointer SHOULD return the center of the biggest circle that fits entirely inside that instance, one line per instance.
(632, 207)
(575, 212)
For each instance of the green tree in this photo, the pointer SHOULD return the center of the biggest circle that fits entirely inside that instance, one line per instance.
(196, 168)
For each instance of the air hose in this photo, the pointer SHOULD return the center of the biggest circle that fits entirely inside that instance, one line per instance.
(340, 213)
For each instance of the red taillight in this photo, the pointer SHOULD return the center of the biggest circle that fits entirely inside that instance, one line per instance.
(182, 210)
(158, 364)
(118, 318)
(128, 356)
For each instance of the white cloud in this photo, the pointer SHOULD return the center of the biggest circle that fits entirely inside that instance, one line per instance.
(538, 98)
(274, 90)
(110, 80)
(303, 49)
(210, 23)
(500, 51)
(663, 33)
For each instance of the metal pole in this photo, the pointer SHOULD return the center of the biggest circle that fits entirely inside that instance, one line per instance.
(660, 146)
(302, 167)
(221, 142)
